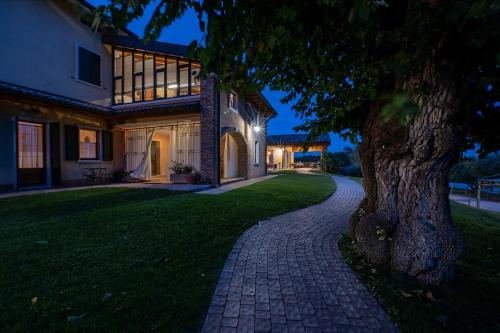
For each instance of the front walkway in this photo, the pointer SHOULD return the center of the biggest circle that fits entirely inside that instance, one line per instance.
(287, 275)
(491, 206)
(233, 186)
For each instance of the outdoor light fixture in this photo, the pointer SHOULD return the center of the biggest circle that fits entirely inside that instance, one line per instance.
(256, 129)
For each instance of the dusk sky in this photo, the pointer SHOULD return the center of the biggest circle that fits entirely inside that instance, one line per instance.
(186, 29)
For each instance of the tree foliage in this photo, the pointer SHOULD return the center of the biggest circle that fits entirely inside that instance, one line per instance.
(345, 162)
(332, 57)
(469, 170)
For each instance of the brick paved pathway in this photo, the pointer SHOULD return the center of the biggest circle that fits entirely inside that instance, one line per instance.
(287, 275)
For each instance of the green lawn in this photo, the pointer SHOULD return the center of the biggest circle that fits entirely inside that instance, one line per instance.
(469, 303)
(119, 260)
(359, 180)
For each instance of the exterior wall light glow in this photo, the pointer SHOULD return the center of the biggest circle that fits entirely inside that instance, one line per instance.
(256, 129)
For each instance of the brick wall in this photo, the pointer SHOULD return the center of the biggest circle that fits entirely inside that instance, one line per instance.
(210, 131)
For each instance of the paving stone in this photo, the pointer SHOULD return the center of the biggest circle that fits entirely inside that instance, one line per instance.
(286, 274)
(246, 324)
(230, 322)
(232, 309)
(277, 307)
(247, 309)
(295, 327)
(278, 319)
(212, 323)
(279, 328)
(262, 325)
(262, 307)
(292, 312)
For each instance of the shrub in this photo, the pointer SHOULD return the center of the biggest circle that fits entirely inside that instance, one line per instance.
(181, 168)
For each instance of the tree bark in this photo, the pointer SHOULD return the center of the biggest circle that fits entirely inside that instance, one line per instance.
(405, 220)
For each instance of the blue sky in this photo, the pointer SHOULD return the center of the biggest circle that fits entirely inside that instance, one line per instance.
(186, 29)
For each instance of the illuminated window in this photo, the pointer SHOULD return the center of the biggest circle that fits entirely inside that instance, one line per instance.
(148, 77)
(88, 144)
(172, 77)
(30, 145)
(183, 77)
(195, 79)
(142, 76)
(232, 101)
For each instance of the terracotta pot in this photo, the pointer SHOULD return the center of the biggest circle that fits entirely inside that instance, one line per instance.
(179, 178)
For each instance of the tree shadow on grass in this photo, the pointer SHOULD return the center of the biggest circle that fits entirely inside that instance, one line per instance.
(73, 203)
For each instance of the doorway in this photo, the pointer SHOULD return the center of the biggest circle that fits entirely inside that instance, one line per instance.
(31, 169)
(155, 158)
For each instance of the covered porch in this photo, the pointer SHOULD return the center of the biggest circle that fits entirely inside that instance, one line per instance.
(152, 148)
(281, 149)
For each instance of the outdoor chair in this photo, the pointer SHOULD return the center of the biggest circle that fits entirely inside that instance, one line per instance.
(89, 176)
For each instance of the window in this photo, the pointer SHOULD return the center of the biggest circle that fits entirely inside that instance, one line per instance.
(195, 79)
(88, 144)
(232, 102)
(148, 77)
(118, 76)
(127, 79)
(183, 78)
(143, 76)
(160, 76)
(257, 153)
(88, 66)
(30, 145)
(138, 76)
(171, 77)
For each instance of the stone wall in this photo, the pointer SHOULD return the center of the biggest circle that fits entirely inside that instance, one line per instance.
(210, 130)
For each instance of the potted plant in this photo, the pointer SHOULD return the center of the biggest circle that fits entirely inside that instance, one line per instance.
(183, 174)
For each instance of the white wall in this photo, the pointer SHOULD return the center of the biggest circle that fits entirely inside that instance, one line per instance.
(230, 157)
(39, 41)
(245, 126)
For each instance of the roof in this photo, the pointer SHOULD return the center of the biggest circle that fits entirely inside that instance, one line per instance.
(296, 140)
(262, 103)
(43, 96)
(152, 46)
(184, 106)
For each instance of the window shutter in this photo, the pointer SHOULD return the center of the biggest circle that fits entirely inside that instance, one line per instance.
(71, 142)
(55, 153)
(107, 145)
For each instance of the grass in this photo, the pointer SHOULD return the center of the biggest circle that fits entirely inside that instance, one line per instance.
(468, 303)
(359, 180)
(122, 260)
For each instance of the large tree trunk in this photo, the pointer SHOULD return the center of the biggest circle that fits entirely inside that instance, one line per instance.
(405, 218)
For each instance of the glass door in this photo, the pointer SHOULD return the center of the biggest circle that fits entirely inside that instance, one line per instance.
(30, 154)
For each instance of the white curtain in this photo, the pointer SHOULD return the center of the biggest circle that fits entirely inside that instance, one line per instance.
(143, 170)
(184, 147)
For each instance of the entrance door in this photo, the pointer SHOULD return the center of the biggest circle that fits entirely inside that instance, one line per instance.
(155, 158)
(30, 154)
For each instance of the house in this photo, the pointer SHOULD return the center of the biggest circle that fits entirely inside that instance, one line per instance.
(281, 149)
(73, 100)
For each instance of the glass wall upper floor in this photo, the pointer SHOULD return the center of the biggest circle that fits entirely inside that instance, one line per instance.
(143, 76)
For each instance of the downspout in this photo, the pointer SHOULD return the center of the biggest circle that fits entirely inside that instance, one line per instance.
(217, 138)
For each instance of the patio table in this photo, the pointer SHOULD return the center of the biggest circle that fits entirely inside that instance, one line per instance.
(95, 173)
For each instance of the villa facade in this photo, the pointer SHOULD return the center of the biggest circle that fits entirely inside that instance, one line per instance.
(72, 98)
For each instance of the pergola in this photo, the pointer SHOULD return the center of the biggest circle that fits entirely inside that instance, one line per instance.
(281, 148)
